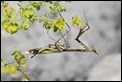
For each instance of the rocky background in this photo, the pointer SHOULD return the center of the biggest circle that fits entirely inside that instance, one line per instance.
(105, 34)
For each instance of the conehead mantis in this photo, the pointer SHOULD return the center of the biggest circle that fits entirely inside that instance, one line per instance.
(59, 48)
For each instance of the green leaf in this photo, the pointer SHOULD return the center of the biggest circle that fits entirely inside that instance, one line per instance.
(47, 25)
(28, 12)
(13, 28)
(76, 21)
(59, 24)
(19, 57)
(9, 10)
(36, 4)
(32, 19)
(55, 29)
(62, 8)
(6, 17)
(54, 25)
(10, 27)
(9, 69)
(55, 3)
(53, 9)
(4, 4)
(14, 53)
(24, 25)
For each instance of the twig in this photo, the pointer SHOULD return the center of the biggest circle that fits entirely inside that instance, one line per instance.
(25, 74)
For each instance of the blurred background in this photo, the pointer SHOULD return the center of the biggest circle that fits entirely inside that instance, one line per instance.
(105, 35)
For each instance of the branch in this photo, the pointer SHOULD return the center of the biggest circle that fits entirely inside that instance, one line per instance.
(24, 73)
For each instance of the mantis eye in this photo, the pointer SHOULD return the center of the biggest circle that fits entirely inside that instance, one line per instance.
(31, 51)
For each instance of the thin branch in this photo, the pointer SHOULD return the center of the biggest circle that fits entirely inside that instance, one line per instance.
(42, 18)
(24, 73)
